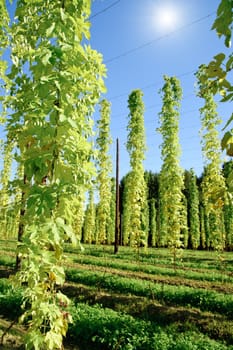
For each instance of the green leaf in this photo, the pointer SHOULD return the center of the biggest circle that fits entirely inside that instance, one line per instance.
(62, 117)
(44, 79)
(15, 60)
(227, 143)
(63, 15)
(229, 64)
(46, 57)
(230, 181)
(223, 21)
(50, 30)
(228, 122)
(72, 122)
(227, 97)
(219, 58)
(58, 86)
(228, 41)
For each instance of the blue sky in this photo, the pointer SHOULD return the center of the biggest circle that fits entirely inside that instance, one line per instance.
(138, 51)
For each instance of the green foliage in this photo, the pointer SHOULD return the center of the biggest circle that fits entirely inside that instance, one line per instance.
(55, 83)
(218, 70)
(228, 206)
(10, 300)
(152, 181)
(89, 220)
(194, 223)
(228, 173)
(203, 228)
(42, 269)
(101, 328)
(76, 208)
(173, 295)
(223, 23)
(171, 176)
(112, 216)
(228, 217)
(7, 261)
(213, 184)
(227, 143)
(4, 39)
(6, 203)
(152, 223)
(194, 215)
(149, 268)
(106, 329)
(125, 209)
(185, 314)
(190, 259)
(136, 187)
(104, 170)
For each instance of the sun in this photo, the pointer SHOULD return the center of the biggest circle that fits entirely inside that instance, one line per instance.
(166, 17)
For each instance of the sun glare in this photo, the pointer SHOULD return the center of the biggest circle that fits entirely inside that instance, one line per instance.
(166, 18)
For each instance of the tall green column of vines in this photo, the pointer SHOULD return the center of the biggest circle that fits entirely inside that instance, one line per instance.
(6, 203)
(153, 222)
(7, 147)
(104, 170)
(228, 207)
(136, 185)
(194, 214)
(171, 175)
(89, 219)
(213, 185)
(112, 216)
(56, 82)
(125, 219)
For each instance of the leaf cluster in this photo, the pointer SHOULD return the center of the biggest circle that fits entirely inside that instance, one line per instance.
(218, 70)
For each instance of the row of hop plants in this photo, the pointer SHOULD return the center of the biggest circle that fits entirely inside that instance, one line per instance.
(203, 211)
(90, 232)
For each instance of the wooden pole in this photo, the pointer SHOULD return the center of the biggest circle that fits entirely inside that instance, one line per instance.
(117, 217)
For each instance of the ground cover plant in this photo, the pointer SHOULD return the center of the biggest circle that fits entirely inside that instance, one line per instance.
(128, 302)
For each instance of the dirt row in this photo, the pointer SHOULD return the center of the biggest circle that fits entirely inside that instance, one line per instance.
(216, 326)
(184, 318)
(226, 288)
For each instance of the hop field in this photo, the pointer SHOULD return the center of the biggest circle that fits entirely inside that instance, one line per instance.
(134, 300)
